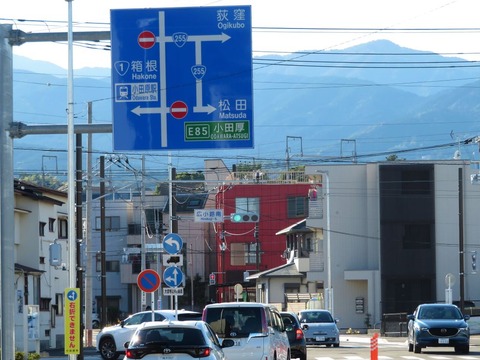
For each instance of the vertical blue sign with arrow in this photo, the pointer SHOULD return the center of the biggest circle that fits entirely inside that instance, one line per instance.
(182, 78)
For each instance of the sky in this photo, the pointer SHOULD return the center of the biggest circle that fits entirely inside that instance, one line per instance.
(278, 25)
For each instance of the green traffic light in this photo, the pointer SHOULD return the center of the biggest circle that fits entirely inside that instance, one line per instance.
(237, 217)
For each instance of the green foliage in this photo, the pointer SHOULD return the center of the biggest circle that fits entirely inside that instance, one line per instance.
(190, 176)
(247, 167)
(20, 355)
(47, 181)
(393, 157)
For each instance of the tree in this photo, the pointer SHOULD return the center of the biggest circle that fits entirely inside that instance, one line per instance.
(393, 157)
(47, 181)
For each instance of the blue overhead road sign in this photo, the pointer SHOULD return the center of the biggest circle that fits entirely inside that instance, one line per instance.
(182, 78)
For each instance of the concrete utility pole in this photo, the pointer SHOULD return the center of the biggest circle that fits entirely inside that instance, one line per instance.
(9, 38)
(7, 218)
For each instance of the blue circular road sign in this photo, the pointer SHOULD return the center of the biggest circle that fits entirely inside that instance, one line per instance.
(148, 280)
(172, 243)
(173, 276)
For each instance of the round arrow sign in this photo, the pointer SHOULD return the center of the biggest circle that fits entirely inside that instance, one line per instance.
(173, 276)
(148, 280)
(172, 243)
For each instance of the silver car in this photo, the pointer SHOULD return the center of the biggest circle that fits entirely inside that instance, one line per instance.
(319, 327)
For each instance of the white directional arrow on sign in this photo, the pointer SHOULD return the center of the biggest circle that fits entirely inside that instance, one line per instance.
(173, 242)
(204, 109)
(150, 110)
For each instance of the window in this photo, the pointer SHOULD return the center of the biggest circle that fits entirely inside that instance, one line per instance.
(243, 205)
(297, 206)
(251, 253)
(45, 304)
(415, 182)
(62, 228)
(154, 219)
(417, 236)
(51, 225)
(113, 266)
(41, 228)
(244, 254)
(59, 301)
(112, 223)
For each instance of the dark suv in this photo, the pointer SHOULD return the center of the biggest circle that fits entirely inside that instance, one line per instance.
(298, 345)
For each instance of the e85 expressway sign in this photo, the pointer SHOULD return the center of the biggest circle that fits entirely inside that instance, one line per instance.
(182, 78)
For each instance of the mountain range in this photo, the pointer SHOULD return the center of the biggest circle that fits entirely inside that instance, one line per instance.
(362, 103)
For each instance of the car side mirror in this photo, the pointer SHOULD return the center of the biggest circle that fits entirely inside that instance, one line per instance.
(305, 327)
(410, 317)
(122, 323)
(125, 345)
(466, 317)
(228, 343)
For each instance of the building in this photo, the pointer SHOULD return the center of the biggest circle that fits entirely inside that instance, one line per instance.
(280, 200)
(384, 237)
(41, 270)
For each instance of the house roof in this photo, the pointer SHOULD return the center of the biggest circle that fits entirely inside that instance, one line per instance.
(298, 227)
(27, 269)
(286, 270)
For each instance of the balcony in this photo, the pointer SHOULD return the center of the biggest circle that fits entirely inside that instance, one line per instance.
(270, 177)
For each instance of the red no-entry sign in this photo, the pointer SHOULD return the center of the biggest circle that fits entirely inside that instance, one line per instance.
(148, 280)
(146, 39)
(179, 109)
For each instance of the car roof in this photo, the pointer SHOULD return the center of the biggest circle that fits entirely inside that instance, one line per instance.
(167, 324)
(438, 305)
(314, 310)
(239, 304)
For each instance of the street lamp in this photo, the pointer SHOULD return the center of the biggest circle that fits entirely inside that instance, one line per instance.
(328, 289)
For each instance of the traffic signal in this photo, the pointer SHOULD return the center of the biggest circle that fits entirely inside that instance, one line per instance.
(474, 261)
(244, 217)
(213, 279)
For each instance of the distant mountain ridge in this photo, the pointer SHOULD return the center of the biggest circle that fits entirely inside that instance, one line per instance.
(370, 94)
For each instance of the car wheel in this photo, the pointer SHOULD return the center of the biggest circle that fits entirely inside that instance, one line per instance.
(416, 348)
(410, 347)
(462, 349)
(108, 350)
(336, 345)
(328, 345)
(303, 357)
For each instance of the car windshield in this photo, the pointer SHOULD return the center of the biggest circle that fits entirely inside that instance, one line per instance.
(439, 312)
(315, 317)
(235, 322)
(175, 336)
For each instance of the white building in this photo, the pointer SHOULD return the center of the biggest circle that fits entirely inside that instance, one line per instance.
(382, 238)
(40, 221)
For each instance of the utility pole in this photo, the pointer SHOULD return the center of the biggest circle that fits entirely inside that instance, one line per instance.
(103, 247)
(7, 218)
(9, 38)
(460, 238)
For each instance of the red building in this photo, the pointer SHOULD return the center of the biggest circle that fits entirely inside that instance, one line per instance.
(253, 246)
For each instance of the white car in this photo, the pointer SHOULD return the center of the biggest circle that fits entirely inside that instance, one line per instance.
(257, 330)
(111, 339)
(175, 340)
